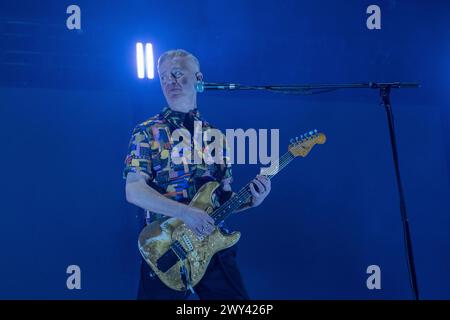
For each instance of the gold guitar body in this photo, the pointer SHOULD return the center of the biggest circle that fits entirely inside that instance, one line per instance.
(157, 238)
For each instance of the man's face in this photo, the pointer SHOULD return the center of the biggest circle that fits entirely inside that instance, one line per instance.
(178, 79)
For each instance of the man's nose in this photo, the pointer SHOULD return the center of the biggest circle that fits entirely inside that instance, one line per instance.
(168, 80)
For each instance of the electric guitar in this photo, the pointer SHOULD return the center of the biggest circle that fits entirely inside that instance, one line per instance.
(177, 255)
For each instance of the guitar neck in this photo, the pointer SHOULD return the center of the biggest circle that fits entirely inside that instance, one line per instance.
(244, 195)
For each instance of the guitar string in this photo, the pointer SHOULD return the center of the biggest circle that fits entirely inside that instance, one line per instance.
(245, 189)
(244, 192)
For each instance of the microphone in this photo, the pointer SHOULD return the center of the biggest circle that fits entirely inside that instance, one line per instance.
(201, 86)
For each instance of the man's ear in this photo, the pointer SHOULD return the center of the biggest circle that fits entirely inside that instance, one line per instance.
(199, 76)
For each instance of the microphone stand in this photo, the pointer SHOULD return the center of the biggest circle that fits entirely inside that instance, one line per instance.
(385, 91)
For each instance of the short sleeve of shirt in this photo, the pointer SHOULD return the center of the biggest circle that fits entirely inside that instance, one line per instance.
(138, 158)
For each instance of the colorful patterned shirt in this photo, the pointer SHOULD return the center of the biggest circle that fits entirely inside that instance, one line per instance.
(149, 152)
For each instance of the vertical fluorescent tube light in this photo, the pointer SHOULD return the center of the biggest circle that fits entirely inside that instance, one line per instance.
(149, 61)
(140, 60)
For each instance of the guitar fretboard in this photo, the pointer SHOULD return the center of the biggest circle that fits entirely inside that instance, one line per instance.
(244, 195)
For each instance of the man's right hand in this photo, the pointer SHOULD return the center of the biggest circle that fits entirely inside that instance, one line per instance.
(198, 221)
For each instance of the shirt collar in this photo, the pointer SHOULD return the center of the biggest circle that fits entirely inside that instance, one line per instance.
(178, 117)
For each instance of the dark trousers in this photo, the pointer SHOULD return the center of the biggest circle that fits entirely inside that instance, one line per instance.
(222, 281)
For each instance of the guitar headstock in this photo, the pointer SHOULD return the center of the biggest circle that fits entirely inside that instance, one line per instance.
(300, 147)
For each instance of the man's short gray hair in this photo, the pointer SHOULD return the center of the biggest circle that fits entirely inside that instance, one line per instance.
(177, 53)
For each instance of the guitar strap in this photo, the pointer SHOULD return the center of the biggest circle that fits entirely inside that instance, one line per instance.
(186, 277)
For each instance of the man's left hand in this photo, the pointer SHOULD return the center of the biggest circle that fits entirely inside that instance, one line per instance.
(261, 191)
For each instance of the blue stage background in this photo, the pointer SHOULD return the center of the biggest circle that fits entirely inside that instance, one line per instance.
(67, 120)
